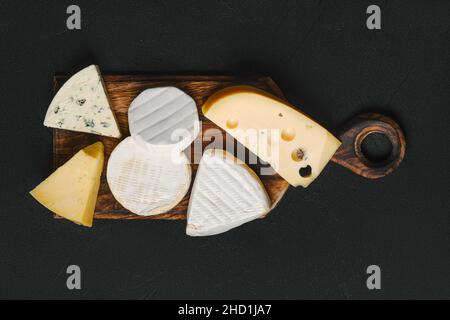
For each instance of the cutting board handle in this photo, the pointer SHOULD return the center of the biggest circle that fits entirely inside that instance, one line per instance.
(351, 156)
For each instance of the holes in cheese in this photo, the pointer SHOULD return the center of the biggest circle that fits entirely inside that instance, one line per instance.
(305, 172)
(71, 191)
(232, 124)
(288, 134)
(298, 155)
(256, 111)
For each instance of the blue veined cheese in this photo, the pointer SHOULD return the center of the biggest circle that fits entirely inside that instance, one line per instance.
(82, 105)
(226, 194)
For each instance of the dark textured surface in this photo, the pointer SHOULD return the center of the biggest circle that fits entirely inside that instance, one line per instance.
(318, 242)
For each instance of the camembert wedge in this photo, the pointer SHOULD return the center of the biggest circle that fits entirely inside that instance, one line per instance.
(82, 104)
(293, 144)
(71, 191)
(225, 195)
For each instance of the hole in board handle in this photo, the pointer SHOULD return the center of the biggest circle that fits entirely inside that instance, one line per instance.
(376, 148)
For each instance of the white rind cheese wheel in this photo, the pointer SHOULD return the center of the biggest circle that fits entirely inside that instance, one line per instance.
(163, 117)
(147, 183)
(82, 105)
(225, 195)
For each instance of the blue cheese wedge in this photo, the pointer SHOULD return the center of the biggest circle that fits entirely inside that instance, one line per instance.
(82, 105)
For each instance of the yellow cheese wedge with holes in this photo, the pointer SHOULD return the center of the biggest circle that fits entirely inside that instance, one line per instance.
(295, 146)
(71, 191)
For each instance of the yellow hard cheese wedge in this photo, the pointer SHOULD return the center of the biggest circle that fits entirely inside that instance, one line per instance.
(71, 191)
(293, 144)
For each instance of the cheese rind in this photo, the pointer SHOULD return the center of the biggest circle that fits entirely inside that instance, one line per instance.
(71, 191)
(147, 183)
(163, 117)
(294, 145)
(226, 194)
(82, 105)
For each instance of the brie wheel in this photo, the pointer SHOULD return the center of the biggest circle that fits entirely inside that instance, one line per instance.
(147, 183)
(163, 117)
(225, 195)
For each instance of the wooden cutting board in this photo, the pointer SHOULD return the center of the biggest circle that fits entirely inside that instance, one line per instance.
(123, 89)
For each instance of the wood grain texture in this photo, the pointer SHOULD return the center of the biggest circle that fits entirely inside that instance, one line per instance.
(122, 90)
(350, 154)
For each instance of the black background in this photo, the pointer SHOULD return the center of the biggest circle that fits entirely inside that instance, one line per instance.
(318, 242)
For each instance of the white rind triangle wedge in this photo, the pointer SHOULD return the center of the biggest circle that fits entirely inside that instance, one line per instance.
(225, 195)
